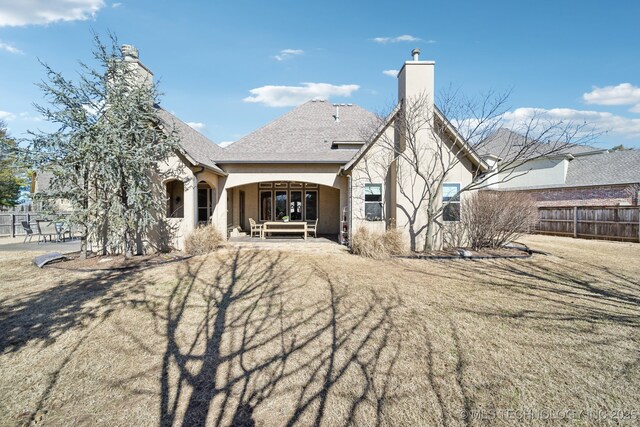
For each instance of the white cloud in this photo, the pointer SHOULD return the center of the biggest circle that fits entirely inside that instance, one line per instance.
(289, 96)
(601, 121)
(398, 39)
(9, 48)
(197, 125)
(226, 143)
(622, 94)
(114, 5)
(5, 115)
(16, 13)
(288, 54)
(27, 117)
(392, 73)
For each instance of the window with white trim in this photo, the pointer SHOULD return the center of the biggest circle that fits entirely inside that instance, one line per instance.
(373, 202)
(451, 202)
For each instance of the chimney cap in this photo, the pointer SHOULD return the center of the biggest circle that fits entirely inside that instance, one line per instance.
(129, 52)
(416, 54)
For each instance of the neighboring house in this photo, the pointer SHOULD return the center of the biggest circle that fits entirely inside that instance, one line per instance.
(579, 176)
(307, 165)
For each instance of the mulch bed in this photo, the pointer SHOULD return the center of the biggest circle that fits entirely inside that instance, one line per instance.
(115, 262)
(499, 253)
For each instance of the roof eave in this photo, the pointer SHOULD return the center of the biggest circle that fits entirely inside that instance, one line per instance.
(470, 152)
(281, 162)
(212, 167)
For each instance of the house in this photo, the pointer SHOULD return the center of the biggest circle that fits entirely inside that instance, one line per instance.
(320, 162)
(576, 176)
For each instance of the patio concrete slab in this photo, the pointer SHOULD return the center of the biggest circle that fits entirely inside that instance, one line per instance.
(319, 244)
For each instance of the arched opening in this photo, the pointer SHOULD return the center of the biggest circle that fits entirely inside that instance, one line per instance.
(175, 198)
(206, 202)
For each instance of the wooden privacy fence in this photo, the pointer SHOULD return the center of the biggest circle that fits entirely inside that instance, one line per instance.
(592, 222)
(11, 222)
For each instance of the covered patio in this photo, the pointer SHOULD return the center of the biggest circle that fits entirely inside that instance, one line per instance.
(286, 202)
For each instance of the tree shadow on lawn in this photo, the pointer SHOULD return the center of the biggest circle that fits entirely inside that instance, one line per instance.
(44, 315)
(238, 338)
(80, 305)
(570, 291)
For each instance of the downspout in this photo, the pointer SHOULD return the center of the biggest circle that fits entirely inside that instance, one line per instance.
(349, 204)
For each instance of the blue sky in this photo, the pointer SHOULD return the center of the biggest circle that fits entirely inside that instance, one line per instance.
(216, 61)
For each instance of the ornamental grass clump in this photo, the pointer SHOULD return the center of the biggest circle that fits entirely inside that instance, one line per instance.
(203, 240)
(377, 245)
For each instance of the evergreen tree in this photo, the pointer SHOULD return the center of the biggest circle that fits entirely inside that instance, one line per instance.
(10, 177)
(105, 155)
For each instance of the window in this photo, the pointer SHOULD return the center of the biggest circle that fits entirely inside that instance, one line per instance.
(295, 208)
(206, 202)
(311, 205)
(373, 202)
(281, 204)
(451, 201)
(266, 202)
(175, 199)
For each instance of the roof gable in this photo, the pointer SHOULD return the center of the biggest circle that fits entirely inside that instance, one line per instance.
(464, 148)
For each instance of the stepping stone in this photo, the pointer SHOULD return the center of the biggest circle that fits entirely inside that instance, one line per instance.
(42, 260)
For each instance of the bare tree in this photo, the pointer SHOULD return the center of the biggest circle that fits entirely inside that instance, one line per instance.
(428, 144)
(633, 191)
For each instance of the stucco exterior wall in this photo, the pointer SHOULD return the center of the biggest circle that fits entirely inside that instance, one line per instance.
(535, 173)
(172, 231)
(433, 151)
(375, 167)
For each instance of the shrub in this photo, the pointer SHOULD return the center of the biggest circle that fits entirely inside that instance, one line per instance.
(377, 245)
(393, 242)
(203, 240)
(489, 219)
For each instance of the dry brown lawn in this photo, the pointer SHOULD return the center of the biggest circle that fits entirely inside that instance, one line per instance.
(278, 338)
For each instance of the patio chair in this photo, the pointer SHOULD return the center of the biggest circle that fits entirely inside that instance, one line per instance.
(313, 228)
(63, 230)
(48, 230)
(28, 232)
(255, 228)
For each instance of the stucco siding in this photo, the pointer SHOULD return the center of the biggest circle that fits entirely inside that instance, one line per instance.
(535, 173)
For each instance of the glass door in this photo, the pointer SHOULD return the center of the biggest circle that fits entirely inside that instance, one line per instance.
(295, 206)
(281, 204)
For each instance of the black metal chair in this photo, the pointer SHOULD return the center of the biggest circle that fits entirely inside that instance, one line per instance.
(27, 231)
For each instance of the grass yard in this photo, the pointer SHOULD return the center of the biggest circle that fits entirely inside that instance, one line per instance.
(277, 338)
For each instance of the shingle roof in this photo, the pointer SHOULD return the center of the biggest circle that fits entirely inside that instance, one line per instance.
(305, 134)
(506, 144)
(608, 168)
(196, 146)
(596, 169)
